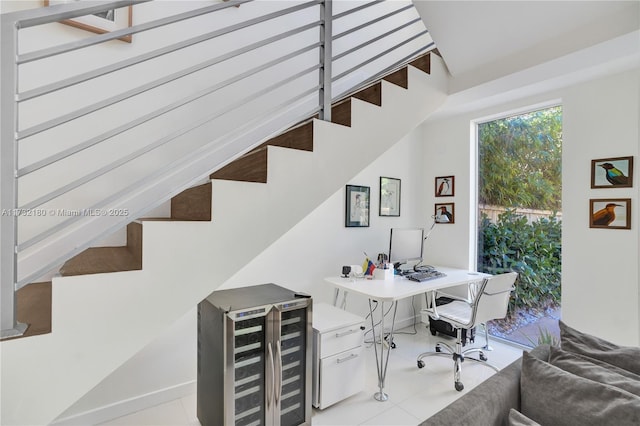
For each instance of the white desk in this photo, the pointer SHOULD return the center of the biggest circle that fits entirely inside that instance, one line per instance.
(391, 291)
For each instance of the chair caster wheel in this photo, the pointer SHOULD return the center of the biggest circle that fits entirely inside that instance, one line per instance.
(420, 364)
(483, 357)
(433, 332)
(393, 345)
(438, 349)
(459, 386)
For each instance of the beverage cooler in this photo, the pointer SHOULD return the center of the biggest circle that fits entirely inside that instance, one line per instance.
(254, 357)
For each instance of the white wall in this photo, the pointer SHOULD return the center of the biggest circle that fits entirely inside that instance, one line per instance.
(600, 267)
(164, 370)
(315, 248)
(320, 244)
(600, 285)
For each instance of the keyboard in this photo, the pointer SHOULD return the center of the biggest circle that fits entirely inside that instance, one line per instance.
(425, 276)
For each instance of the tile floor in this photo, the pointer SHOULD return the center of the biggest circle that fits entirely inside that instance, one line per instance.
(414, 394)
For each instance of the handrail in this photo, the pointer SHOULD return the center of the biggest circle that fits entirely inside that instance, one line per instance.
(379, 55)
(373, 40)
(155, 54)
(204, 127)
(366, 24)
(148, 86)
(49, 160)
(76, 45)
(386, 71)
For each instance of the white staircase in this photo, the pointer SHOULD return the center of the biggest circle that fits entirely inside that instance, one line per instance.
(100, 321)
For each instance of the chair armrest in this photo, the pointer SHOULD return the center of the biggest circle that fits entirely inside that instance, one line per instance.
(431, 305)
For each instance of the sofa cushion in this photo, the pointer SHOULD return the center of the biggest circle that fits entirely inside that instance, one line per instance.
(516, 418)
(488, 403)
(626, 357)
(552, 396)
(601, 373)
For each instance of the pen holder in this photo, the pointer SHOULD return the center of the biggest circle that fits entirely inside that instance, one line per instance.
(383, 274)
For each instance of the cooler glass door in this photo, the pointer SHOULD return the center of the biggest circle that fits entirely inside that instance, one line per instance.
(247, 365)
(292, 386)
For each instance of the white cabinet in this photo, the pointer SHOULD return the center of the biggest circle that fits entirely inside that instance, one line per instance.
(338, 362)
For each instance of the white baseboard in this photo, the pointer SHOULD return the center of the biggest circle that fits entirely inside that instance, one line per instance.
(129, 406)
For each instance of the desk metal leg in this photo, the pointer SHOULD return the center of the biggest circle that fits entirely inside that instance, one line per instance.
(381, 361)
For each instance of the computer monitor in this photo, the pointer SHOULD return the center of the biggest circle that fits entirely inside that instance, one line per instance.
(405, 245)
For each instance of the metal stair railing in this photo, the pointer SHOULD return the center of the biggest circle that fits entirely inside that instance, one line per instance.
(80, 157)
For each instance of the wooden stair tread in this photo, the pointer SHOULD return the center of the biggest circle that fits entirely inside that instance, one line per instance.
(423, 63)
(399, 78)
(193, 204)
(33, 307)
(371, 94)
(252, 167)
(97, 260)
(341, 113)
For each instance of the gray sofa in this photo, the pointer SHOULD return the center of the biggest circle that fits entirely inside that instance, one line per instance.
(585, 381)
(490, 402)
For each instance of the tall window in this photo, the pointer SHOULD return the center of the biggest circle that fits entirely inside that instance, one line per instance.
(519, 212)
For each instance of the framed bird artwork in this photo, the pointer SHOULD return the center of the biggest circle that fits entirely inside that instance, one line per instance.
(612, 172)
(357, 206)
(445, 213)
(389, 196)
(610, 213)
(445, 186)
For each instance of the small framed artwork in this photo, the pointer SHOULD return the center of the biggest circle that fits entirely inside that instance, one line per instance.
(445, 213)
(389, 196)
(357, 206)
(104, 22)
(612, 172)
(445, 186)
(610, 213)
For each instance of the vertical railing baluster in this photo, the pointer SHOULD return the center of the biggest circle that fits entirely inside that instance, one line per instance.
(326, 35)
(9, 181)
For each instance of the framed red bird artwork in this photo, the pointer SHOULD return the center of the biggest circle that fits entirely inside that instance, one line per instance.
(610, 213)
(445, 186)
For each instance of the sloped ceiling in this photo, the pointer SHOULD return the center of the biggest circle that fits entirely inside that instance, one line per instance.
(484, 40)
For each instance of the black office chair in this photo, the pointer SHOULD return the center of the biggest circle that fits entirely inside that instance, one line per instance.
(488, 300)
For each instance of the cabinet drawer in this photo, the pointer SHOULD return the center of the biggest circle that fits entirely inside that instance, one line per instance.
(333, 342)
(341, 376)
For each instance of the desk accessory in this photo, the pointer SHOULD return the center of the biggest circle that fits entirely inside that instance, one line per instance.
(346, 270)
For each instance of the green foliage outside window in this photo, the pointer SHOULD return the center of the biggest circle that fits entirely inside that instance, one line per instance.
(520, 166)
(531, 249)
(520, 160)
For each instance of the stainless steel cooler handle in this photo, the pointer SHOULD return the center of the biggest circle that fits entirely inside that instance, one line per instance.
(270, 392)
(279, 386)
